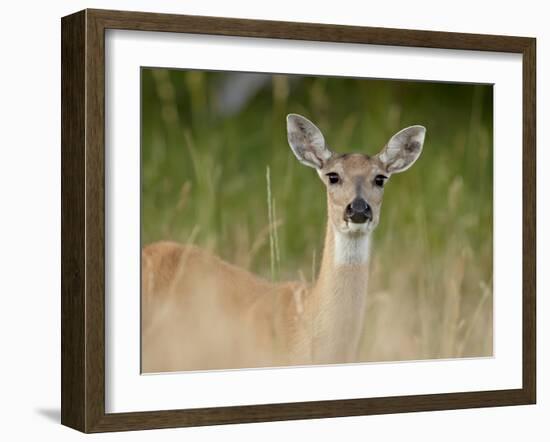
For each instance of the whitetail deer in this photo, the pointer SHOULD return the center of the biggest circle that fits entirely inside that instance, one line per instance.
(199, 312)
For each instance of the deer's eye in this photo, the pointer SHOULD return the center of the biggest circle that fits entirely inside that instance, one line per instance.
(379, 180)
(333, 178)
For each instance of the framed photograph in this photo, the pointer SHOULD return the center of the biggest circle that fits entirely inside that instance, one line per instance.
(268, 221)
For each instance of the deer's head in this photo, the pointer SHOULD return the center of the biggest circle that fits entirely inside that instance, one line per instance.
(355, 182)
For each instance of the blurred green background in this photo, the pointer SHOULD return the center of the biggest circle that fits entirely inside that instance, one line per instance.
(211, 142)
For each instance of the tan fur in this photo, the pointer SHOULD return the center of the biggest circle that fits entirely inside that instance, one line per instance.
(358, 172)
(200, 313)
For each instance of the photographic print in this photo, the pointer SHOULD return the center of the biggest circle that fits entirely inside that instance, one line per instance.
(248, 204)
(294, 220)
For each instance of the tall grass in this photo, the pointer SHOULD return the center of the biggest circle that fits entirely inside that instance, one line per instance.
(227, 180)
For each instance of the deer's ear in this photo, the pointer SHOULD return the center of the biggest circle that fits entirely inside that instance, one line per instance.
(403, 149)
(307, 141)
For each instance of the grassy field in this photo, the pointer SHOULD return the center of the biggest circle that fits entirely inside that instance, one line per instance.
(212, 142)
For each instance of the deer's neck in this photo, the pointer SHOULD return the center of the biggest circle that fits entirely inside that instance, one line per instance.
(338, 299)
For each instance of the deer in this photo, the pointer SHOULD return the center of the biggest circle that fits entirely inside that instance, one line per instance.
(202, 313)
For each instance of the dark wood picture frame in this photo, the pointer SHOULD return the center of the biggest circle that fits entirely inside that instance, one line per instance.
(83, 220)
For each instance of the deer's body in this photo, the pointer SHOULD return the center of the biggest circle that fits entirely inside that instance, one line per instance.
(199, 312)
(208, 314)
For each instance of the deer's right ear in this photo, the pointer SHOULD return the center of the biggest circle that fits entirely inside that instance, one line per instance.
(307, 141)
(403, 149)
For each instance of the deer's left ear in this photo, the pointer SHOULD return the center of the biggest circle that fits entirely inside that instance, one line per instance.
(403, 149)
(307, 141)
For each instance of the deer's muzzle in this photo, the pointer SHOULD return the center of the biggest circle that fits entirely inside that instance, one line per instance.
(358, 211)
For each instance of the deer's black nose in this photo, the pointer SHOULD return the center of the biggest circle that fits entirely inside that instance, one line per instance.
(358, 211)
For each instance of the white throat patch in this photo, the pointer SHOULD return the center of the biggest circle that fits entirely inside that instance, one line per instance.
(351, 249)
